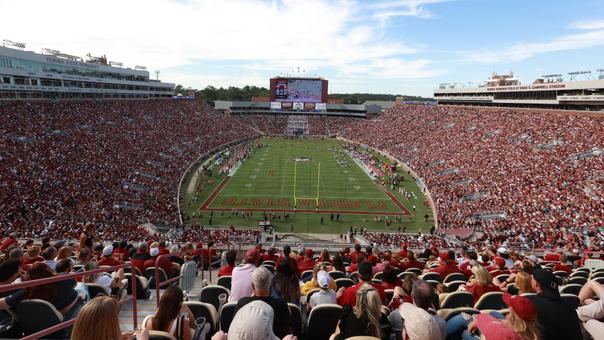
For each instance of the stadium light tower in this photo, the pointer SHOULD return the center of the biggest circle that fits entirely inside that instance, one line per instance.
(574, 75)
(7, 42)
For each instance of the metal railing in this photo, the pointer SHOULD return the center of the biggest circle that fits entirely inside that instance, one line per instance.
(158, 284)
(68, 323)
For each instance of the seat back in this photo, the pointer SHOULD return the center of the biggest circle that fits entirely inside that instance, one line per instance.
(454, 277)
(225, 281)
(306, 276)
(227, 313)
(379, 276)
(453, 286)
(95, 289)
(502, 277)
(580, 273)
(150, 275)
(432, 276)
(354, 276)
(159, 335)
(35, 315)
(336, 274)
(417, 271)
(210, 295)
(344, 282)
(561, 273)
(457, 299)
(576, 280)
(322, 321)
(142, 290)
(207, 311)
(389, 294)
(571, 299)
(447, 314)
(270, 267)
(490, 300)
(570, 289)
(296, 314)
(189, 273)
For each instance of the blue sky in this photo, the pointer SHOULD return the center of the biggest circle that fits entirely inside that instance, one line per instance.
(384, 46)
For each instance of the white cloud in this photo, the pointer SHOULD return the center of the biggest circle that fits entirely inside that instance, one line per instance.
(167, 34)
(522, 51)
(385, 10)
(588, 25)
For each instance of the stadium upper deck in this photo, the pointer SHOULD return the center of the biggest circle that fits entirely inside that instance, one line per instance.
(549, 92)
(53, 75)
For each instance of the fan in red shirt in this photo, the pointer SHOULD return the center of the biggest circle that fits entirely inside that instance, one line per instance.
(231, 256)
(10, 239)
(562, 265)
(448, 264)
(348, 296)
(481, 283)
(138, 259)
(162, 262)
(411, 262)
(307, 263)
(270, 255)
(498, 267)
(108, 259)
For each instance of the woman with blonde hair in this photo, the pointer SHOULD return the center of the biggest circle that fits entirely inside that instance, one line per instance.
(520, 323)
(481, 282)
(99, 320)
(522, 285)
(364, 319)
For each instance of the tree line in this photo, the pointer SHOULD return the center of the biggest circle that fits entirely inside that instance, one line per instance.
(233, 93)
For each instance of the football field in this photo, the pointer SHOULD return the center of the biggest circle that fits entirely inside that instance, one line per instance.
(311, 185)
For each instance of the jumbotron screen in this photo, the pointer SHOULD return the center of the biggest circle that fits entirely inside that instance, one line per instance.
(298, 90)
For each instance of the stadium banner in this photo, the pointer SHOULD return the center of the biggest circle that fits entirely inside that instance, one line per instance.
(298, 106)
(321, 106)
(275, 105)
(286, 105)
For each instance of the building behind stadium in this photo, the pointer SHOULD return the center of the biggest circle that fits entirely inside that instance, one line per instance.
(580, 92)
(27, 75)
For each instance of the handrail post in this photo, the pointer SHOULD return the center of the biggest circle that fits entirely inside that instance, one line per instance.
(133, 283)
(210, 263)
(202, 263)
(157, 279)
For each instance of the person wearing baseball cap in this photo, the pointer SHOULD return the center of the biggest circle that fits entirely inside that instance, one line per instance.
(448, 265)
(108, 259)
(558, 318)
(241, 279)
(519, 324)
(307, 263)
(326, 294)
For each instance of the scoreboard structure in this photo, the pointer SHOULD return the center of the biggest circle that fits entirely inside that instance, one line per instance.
(298, 94)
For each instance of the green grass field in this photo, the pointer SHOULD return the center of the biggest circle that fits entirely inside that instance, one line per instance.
(307, 180)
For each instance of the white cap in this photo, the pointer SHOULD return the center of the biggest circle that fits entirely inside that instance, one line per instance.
(154, 251)
(253, 321)
(419, 324)
(502, 250)
(323, 279)
(107, 250)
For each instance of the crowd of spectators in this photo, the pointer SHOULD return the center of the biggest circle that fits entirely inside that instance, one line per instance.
(519, 176)
(390, 294)
(113, 163)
